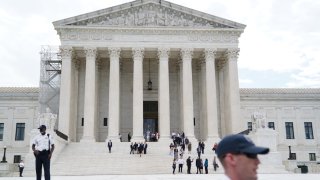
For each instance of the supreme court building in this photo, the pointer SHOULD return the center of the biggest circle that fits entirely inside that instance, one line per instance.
(143, 67)
(149, 66)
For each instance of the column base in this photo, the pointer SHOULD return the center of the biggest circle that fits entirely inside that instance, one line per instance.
(113, 139)
(137, 139)
(165, 140)
(87, 139)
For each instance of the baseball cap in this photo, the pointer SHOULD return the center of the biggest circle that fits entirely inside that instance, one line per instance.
(239, 143)
(42, 127)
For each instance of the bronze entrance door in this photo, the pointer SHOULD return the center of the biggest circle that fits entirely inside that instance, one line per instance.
(150, 120)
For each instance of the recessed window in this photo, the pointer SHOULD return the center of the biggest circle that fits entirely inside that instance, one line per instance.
(289, 130)
(82, 121)
(105, 121)
(1, 131)
(308, 130)
(312, 156)
(249, 126)
(271, 125)
(16, 158)
(20, 127)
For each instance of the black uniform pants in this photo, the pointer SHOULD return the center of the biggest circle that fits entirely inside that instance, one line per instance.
(180, 167)
(21, 171)
(189, 169)
(43, 160)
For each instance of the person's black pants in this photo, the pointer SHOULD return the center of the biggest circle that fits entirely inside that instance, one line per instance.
(42, 159)
(206, 169)
(21, 171)
(180, 167)
(189, 169)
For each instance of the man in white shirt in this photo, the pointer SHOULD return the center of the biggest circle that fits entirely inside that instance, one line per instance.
(43, 147)
(180, 163)
(21, 167)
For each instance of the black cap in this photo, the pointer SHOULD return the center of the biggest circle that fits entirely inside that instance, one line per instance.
(42, 127)
(239, 143)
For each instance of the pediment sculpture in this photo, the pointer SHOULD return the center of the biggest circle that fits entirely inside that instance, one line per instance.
(149, 15)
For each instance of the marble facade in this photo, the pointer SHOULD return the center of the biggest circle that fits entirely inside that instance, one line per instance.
(105, 56)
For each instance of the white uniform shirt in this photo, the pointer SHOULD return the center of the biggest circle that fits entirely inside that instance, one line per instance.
(180, 161)
(41, 142)
(21, 164)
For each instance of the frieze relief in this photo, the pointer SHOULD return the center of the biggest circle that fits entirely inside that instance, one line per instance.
(148, 35)
(149, 15)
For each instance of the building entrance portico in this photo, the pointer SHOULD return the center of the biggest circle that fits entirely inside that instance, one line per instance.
(108, 58)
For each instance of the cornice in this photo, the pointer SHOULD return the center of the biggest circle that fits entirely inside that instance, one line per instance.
(19, 89)
(280, 93)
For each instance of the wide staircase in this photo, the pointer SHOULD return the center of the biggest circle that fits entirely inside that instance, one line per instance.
(94, 159)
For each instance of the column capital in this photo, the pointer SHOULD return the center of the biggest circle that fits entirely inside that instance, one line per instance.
(114, 52)
(66, 51)
(163, 52)
(210, 53)
(91, 52)
(138, 53)
(186, 53)
(233, 53)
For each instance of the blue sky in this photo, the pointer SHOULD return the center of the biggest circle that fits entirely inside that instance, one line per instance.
(279, 48)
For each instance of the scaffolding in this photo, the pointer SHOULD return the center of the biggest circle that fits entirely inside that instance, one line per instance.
(50, 77)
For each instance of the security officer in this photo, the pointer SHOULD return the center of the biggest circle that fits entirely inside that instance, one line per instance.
(43, 147)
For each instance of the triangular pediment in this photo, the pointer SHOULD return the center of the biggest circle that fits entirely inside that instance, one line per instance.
(149, 13)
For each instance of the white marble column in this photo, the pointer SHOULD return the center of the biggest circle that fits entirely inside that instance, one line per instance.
(211, 97)
(233, 94)
(90, 105)
(65, 111)
(181, 123)
(74, 110)
(137, 135)
(164, 96)
(114, 95)
(187, 96)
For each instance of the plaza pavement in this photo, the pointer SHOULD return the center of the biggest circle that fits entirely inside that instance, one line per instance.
(175, 177)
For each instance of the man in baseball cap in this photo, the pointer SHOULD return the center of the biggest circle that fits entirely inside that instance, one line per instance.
(239, 157)
(42, 127)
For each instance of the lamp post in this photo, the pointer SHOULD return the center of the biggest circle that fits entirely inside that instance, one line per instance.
(290, 155)
(4, 155)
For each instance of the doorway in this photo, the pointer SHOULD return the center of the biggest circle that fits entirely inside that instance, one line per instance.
(150, 120)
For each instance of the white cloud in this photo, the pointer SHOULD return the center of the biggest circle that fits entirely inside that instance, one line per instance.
(245, 81)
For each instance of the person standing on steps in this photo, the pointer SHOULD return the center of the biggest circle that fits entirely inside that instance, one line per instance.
(21, 167)
(189, 161)
(206, 163)
(43, 147)
(145, 148)
(174, 166)
(109, 145)
(180, 164)
(129, 137)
